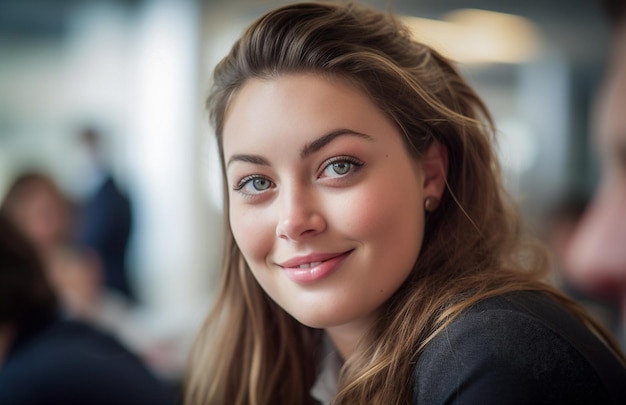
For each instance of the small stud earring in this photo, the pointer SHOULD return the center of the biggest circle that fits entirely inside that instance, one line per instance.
(431, 204)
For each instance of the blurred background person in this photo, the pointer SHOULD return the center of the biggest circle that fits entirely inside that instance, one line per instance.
(38, 207)
(596, 257)
(45, 359)
(47, 217)
(559, 227)
(105, 215)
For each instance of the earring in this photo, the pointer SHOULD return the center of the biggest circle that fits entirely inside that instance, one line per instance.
(431, 204)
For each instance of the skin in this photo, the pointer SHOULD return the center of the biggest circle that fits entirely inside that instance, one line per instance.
(41, 216)
(316, 171)
(597, 255)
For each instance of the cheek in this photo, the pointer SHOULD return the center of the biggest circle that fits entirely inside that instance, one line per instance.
(382, 204)
(388, 217)
(252, 232)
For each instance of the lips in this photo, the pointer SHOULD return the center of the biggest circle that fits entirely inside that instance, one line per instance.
(308, 260)
(313, 267)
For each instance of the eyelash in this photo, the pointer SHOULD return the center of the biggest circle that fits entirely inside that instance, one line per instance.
(243, 182)
(356, 164)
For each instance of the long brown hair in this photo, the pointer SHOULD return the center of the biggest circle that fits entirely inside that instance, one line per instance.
(252, 351)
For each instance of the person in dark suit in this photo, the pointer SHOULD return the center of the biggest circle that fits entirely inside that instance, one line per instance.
(105, 218)
(46, 359)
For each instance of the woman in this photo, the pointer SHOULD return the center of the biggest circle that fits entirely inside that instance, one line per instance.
(372, 255)
(38, 207)
(46, 358)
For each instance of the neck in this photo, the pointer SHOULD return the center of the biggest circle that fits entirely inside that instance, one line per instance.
(346, 338)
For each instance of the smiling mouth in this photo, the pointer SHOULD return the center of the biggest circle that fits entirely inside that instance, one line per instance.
(314, 270)
(312, 260)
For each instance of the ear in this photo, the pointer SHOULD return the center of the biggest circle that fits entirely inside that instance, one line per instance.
(434, 167)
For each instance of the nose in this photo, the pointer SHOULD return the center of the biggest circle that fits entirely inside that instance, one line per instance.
(299, 215)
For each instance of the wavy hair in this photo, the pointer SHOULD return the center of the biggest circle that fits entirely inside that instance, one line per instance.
(250, 351)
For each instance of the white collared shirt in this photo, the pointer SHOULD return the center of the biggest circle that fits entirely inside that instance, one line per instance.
(325, 387)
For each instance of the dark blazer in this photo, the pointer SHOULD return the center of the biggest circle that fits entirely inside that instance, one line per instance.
(56, 361)
(105, 224)
(521, 348)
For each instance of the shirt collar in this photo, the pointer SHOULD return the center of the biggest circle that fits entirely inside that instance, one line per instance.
(325, 387)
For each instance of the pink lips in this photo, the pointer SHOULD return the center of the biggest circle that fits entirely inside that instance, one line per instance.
(310, 268)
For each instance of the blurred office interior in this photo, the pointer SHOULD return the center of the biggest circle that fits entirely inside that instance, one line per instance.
(139, 70)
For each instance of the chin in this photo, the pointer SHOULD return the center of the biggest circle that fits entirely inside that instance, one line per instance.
(325, 320)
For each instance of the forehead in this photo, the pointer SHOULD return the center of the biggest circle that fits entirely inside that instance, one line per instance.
(296, 106)
(306, 85)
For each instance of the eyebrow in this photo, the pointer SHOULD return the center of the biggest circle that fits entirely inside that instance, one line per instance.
(324, 140)
(307, 150)
(254, 159)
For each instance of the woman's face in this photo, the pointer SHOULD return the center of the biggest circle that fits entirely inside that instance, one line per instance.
(41, 216)
(326, 205)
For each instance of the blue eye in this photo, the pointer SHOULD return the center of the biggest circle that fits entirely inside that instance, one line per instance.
(253, 185)
(340, 166)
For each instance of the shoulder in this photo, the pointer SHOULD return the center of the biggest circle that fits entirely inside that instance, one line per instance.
(518, 348)
(71, 363)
